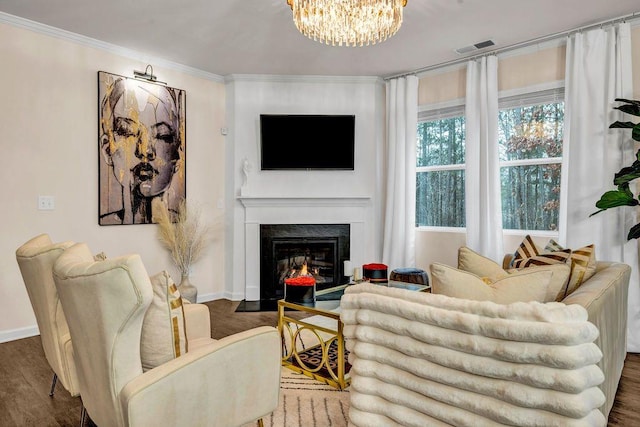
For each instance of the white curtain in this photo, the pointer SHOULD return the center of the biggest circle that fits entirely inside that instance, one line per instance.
(482, 174)
(598, 70)
(398, 245)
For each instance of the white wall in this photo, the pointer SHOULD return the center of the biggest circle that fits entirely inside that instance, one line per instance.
(48, 119)
(250, 96)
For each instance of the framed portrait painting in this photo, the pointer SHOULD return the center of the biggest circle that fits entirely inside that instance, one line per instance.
(142, 148)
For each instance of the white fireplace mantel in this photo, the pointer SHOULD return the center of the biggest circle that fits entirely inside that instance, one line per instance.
(257, 202)
(299, 210)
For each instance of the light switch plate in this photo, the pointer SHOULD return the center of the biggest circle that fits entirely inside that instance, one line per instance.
(46, 203)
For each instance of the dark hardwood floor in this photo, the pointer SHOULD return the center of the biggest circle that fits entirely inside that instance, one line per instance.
(25, 377)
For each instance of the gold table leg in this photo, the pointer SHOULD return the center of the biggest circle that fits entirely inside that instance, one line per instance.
(290, 328)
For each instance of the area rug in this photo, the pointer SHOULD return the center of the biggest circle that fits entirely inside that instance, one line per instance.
(309, 403)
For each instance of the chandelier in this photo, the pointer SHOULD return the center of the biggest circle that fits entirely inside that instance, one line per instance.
(348, 22)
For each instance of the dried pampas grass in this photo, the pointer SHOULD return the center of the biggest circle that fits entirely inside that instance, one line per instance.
(187, 238)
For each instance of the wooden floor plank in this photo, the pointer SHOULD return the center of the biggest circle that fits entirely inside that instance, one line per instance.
(25, 377)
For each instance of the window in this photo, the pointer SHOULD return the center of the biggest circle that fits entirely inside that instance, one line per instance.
(530, 138)
(530, 132)
(440, 169)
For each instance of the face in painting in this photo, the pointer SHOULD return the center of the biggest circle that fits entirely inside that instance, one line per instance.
(141, 138)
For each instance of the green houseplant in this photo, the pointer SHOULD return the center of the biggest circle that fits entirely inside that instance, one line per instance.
(623, 196)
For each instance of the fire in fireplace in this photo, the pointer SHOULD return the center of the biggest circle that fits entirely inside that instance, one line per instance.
(292, 250)
(305, 257)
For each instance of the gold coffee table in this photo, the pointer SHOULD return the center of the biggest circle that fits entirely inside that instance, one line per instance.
(314, 346)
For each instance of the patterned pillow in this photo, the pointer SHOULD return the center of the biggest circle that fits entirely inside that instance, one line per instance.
(528, 255)
(524, 287)
(163, 329)
(472, 262)
(583, 263)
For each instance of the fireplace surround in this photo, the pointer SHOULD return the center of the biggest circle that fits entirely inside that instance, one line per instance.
(354, 211)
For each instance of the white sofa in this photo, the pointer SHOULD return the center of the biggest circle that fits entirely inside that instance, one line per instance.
(604, 296)
(423, 359)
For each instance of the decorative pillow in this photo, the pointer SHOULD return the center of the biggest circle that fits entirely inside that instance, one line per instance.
(583, 263)
(527, 255)
(528, 286)
(163, 329)
(473, 262)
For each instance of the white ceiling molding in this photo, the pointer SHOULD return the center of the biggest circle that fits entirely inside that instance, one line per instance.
(273, 78)
(107, 47)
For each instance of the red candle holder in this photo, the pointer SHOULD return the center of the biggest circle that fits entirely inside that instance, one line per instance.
(300, 290)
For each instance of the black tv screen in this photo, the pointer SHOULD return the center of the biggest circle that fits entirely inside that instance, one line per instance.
(306, 142)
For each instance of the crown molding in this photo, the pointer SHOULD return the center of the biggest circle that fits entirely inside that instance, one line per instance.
(275, 78)
(48, 30)
(291, 201)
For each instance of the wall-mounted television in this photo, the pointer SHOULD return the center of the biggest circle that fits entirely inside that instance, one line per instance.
(307, 142)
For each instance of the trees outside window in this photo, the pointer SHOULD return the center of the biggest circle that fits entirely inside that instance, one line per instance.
(530, 140)
(530, 134)
(440, 173)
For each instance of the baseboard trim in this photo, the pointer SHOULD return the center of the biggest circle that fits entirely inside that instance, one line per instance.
(18, 334)
(30, 331)
(210, 297)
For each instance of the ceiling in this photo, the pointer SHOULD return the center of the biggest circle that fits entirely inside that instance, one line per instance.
(258, 36)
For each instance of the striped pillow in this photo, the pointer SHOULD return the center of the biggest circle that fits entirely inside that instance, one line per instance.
(163, 329)
(528, 255)
(583, 263)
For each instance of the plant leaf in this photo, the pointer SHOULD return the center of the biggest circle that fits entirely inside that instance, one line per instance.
(618, 124)
(616, 198)
(629, 101)
(627, 174)
(629, 109)
(635, 133)
(634, 232)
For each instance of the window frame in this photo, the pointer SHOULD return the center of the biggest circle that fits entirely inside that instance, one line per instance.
(433, 112)
(528, 99)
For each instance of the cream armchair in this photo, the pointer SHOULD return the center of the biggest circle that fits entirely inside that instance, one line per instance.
(229, 382)
(35, 259)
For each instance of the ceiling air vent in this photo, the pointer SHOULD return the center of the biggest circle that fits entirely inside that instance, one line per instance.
(474, 47)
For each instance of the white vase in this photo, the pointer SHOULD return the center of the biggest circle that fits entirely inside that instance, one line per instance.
(187, 290)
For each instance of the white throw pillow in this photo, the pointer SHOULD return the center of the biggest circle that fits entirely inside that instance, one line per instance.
(473, 262)
(528, 286)
(163, 329)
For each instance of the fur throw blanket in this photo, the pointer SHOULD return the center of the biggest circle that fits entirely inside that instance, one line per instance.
(420, 359)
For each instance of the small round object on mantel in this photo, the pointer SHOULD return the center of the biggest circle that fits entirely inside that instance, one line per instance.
(410, 275)
(375, 272)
